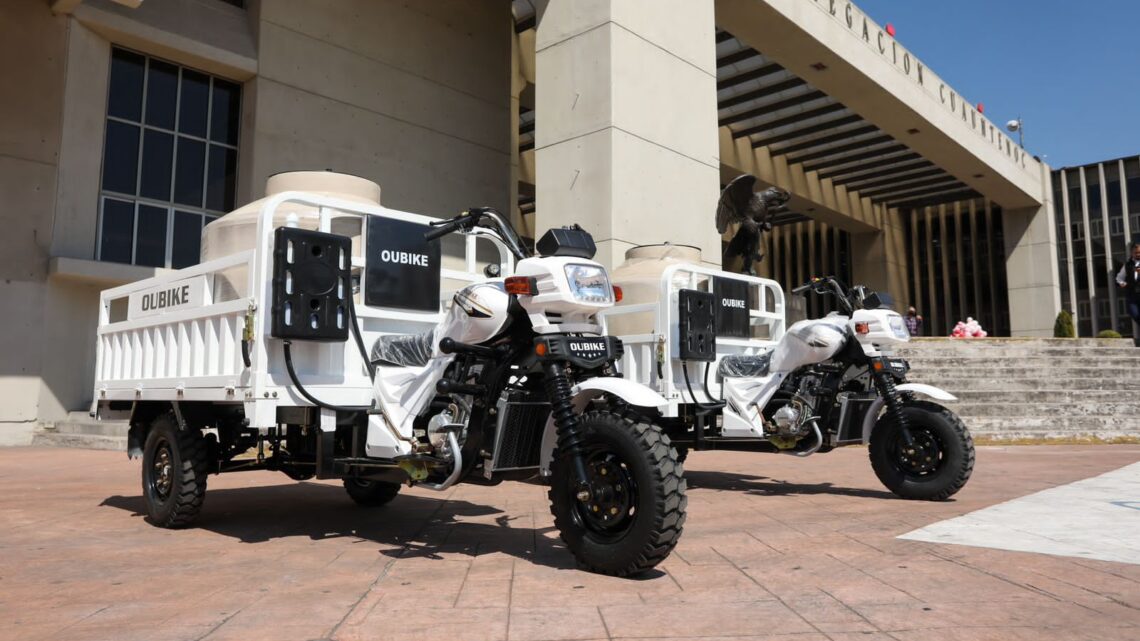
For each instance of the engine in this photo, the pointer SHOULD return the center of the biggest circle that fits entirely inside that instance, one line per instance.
(794, 420)
(452, 419)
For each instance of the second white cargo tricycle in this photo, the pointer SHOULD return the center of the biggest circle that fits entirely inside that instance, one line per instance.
(714, 344)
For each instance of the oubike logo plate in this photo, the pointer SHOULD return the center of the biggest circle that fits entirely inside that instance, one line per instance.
(162, 299)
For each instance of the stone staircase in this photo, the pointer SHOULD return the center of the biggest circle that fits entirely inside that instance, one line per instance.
(81, 430)
(1035, 388)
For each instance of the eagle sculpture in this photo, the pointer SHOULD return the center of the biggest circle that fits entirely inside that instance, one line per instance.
(753, 211)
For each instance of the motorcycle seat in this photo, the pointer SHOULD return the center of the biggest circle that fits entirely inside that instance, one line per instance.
(403, 350)
(745, 366)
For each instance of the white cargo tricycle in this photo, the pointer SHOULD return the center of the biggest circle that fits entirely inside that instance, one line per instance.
(245, 362)
(713, 343)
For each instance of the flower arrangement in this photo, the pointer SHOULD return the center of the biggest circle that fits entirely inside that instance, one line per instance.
(968, 329)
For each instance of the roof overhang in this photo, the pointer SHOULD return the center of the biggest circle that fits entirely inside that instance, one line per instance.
(835, 95)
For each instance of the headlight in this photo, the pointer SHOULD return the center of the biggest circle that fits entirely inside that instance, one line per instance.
(899, 328)
(589, 283)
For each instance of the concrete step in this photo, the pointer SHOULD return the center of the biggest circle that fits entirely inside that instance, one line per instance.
(83, 441)
(1060, 425)
(966, 351)
(1058, 371)
(1046, 410)
(92, 427)
(80, 430)
(986, 360)
(967, 383)
(1045, 396)
(925, 342)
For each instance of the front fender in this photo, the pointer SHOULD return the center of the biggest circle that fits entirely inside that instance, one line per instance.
(629, 391)
(872, 415)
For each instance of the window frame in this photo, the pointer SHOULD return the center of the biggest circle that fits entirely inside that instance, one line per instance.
(170, 206)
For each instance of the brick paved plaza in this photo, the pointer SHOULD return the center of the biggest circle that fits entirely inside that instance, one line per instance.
(774, 548)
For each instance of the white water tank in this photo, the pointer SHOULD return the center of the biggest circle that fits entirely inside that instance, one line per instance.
(237, 230)
(640, 280)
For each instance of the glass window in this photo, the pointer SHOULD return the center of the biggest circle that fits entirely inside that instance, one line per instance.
(169, 160)
(126, 85)
(117, 231)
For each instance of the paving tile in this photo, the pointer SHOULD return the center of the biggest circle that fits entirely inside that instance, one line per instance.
(775, 548)
(454, 624)
(556, 623)
(703, 619)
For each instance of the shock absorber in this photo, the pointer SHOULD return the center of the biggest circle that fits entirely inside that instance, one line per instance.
(885, 384)
(558, 390)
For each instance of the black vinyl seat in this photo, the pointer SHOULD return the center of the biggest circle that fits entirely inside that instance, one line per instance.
(745, 366)
(403, 350)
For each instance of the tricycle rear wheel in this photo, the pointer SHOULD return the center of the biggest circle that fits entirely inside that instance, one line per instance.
(175, 464)
(370, 493)
(636, 509)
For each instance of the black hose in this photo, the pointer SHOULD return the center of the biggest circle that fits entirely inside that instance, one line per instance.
(706, 383)
(358, 338)
(301, 388)
(685, 371)
(245, 353)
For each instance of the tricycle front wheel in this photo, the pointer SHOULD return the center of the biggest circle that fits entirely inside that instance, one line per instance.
(635, 511)
(936, 465)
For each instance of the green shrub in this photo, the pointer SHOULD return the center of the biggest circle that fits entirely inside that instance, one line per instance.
(1108, 333)
(1063, 327)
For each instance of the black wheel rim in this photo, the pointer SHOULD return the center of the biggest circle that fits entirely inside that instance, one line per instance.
(923, 458)
(611, 509)
(161, 478)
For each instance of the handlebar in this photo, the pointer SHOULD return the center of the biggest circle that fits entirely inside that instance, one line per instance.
(487, 217)
(829, 285)
(442, 229)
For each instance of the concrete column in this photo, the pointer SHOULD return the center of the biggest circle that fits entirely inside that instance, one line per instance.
(977, 301)
(1031, 265)
(626, 137)
(879, 260)
(932, 316)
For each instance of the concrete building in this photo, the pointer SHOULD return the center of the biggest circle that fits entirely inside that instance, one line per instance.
(128, 124)
(1098, 217)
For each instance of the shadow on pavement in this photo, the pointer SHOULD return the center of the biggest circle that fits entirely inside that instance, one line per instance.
(765, 486)
(409, 526)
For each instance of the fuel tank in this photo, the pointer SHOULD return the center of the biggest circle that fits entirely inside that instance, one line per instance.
(810, 341)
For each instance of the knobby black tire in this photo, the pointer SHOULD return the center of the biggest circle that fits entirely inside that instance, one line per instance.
(368, 493)
(952, 474)
(661, 501)
(189, 452)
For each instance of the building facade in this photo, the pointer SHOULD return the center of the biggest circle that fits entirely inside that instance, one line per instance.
(1097, 218)
(128, 125)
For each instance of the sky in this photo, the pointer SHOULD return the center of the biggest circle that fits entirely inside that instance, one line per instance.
(1069, 68)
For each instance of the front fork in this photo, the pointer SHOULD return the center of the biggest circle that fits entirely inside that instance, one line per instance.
(566, 420)
(885, 384)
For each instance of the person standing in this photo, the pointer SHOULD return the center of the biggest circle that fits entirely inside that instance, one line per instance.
(913, 322)
(1128, 279)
